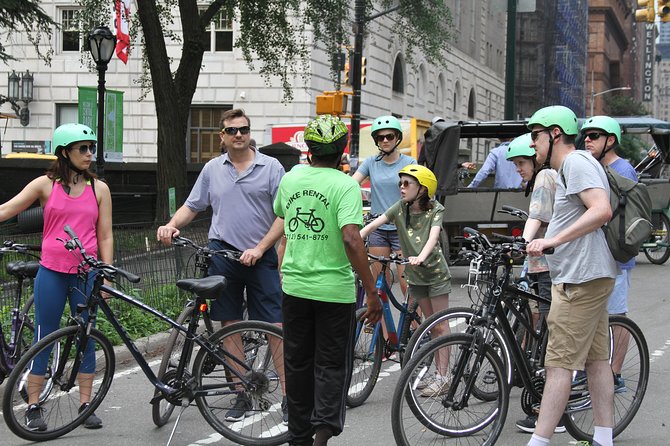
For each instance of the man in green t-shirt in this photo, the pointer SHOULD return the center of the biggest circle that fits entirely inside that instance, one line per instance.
(322, 212)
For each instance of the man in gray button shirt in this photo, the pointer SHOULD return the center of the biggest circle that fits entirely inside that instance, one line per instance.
(240, 186)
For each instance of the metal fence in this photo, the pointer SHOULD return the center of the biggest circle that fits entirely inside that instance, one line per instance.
(136, 250)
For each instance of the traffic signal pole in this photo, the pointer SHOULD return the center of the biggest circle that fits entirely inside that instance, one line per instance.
(359, 28)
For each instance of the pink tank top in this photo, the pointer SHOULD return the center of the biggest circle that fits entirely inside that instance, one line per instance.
(81, 213)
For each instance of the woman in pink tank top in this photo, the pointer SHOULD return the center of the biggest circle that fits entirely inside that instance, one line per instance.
(70, 194)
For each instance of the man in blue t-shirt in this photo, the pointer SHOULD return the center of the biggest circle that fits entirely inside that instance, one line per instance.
(506, 175)
(602, 135)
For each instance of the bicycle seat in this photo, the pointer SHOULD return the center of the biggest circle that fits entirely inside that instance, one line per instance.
(207, 287)
(23, 269)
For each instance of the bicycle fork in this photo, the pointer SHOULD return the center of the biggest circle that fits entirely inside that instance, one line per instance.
(465, 370)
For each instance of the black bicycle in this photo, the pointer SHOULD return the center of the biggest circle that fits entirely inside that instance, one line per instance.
(162, 409)
(83, 363)
(472, 405)
(21, 325)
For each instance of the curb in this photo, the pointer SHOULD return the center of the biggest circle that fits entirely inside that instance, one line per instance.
(150, 346)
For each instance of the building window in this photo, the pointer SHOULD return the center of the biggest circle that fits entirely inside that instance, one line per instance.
(204, 140)
(66, 114)
(219, 33)
(398, 76)
(471, 104)
(70, 36)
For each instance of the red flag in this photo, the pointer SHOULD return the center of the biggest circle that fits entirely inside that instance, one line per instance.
(121, 21)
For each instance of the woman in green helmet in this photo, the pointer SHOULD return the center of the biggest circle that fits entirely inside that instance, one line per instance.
(540, 210)
(70, 194)
(382, 171)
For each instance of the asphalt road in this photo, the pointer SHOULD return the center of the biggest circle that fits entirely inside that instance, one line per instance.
(126, 412)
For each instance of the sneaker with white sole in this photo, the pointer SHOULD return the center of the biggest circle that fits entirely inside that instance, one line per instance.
(426, 381)
(241, 408)
(528, 425)
(619, 384)
(439, 386)
(34, 420)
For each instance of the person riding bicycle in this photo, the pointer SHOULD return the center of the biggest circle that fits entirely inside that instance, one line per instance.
(418, 217)
(382, 170)
(582, 273)
(542, 182)
(71, 195)
(318, 283)
(246, 181)
(602, 134)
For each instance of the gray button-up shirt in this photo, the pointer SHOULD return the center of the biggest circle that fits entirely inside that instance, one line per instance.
(241, 204)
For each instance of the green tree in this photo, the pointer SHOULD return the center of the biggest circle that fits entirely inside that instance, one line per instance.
(277, 35)
(631, 146)
(25, 17)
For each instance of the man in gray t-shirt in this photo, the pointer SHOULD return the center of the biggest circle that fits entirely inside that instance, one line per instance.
(582, 273)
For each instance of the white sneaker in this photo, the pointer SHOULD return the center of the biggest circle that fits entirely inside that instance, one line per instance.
(439, 386)
(426, 381)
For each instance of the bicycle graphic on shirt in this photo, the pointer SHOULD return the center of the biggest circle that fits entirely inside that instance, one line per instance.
(308, 219)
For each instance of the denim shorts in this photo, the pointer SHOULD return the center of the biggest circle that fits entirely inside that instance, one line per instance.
(618, 301)
(261, 282)
(382, 238)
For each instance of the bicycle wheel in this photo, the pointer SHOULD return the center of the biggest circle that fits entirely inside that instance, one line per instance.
(459, 321)
(162, 410)
(629, 392)
(60, 402)
(260, 346)
(368, 351)
(443, 417)
(659, 254)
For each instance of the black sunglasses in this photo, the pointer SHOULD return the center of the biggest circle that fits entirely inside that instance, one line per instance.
(405, 183)
(387, 137)
(536, 134)
(232, 131)
(86, 147)
(593, 136)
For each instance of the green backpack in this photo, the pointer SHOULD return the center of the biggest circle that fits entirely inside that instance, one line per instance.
(630, 225)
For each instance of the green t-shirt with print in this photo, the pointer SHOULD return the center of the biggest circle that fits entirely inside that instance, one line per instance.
(315, 203)
(414, 237)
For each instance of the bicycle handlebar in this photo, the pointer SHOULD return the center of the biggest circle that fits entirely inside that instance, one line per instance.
(393, 258)
(10, 246)
(109, 271)
(227, 253)
(506, 209)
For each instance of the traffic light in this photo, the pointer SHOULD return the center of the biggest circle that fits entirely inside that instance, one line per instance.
(664, 10)
(364, 70)
(331, 103)
(646, 13)
(347, 74)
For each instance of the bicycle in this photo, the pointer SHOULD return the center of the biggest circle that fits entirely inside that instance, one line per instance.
(21, 326)
(474, 366)
(162, 410)
(369, 343)
(81, 352)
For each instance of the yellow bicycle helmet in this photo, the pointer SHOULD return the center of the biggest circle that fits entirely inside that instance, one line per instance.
(423, 175)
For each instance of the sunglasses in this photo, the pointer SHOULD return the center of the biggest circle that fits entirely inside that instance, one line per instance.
(232, 131)
(536, 134)
(593, 136)
(85, 148)
(387, 137)
(406, 183)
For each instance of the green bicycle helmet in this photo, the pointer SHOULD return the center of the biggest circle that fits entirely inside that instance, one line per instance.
(386, 122)
(520, 146)
(326, 135)
(557, 115)
(604, 123)
(66, 134)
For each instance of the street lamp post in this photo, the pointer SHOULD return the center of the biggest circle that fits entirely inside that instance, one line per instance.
(594, 94)
(102, 43)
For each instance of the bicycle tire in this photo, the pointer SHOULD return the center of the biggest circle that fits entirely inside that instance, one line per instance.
(364, 372)
(161, 411)
(406, 330)
(435, 420)
(635, 372)
(59, 407)
(262, 345)
(422, 336)
(660, 255)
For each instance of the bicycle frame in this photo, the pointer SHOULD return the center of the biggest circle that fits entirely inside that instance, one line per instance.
(95, 301)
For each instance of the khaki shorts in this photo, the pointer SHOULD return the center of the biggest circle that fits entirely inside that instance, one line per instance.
(578, 324)
(428, 291)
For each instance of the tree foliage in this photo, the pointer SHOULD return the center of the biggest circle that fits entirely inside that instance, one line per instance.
(276, 38)
(620, 105)
(25, 17)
